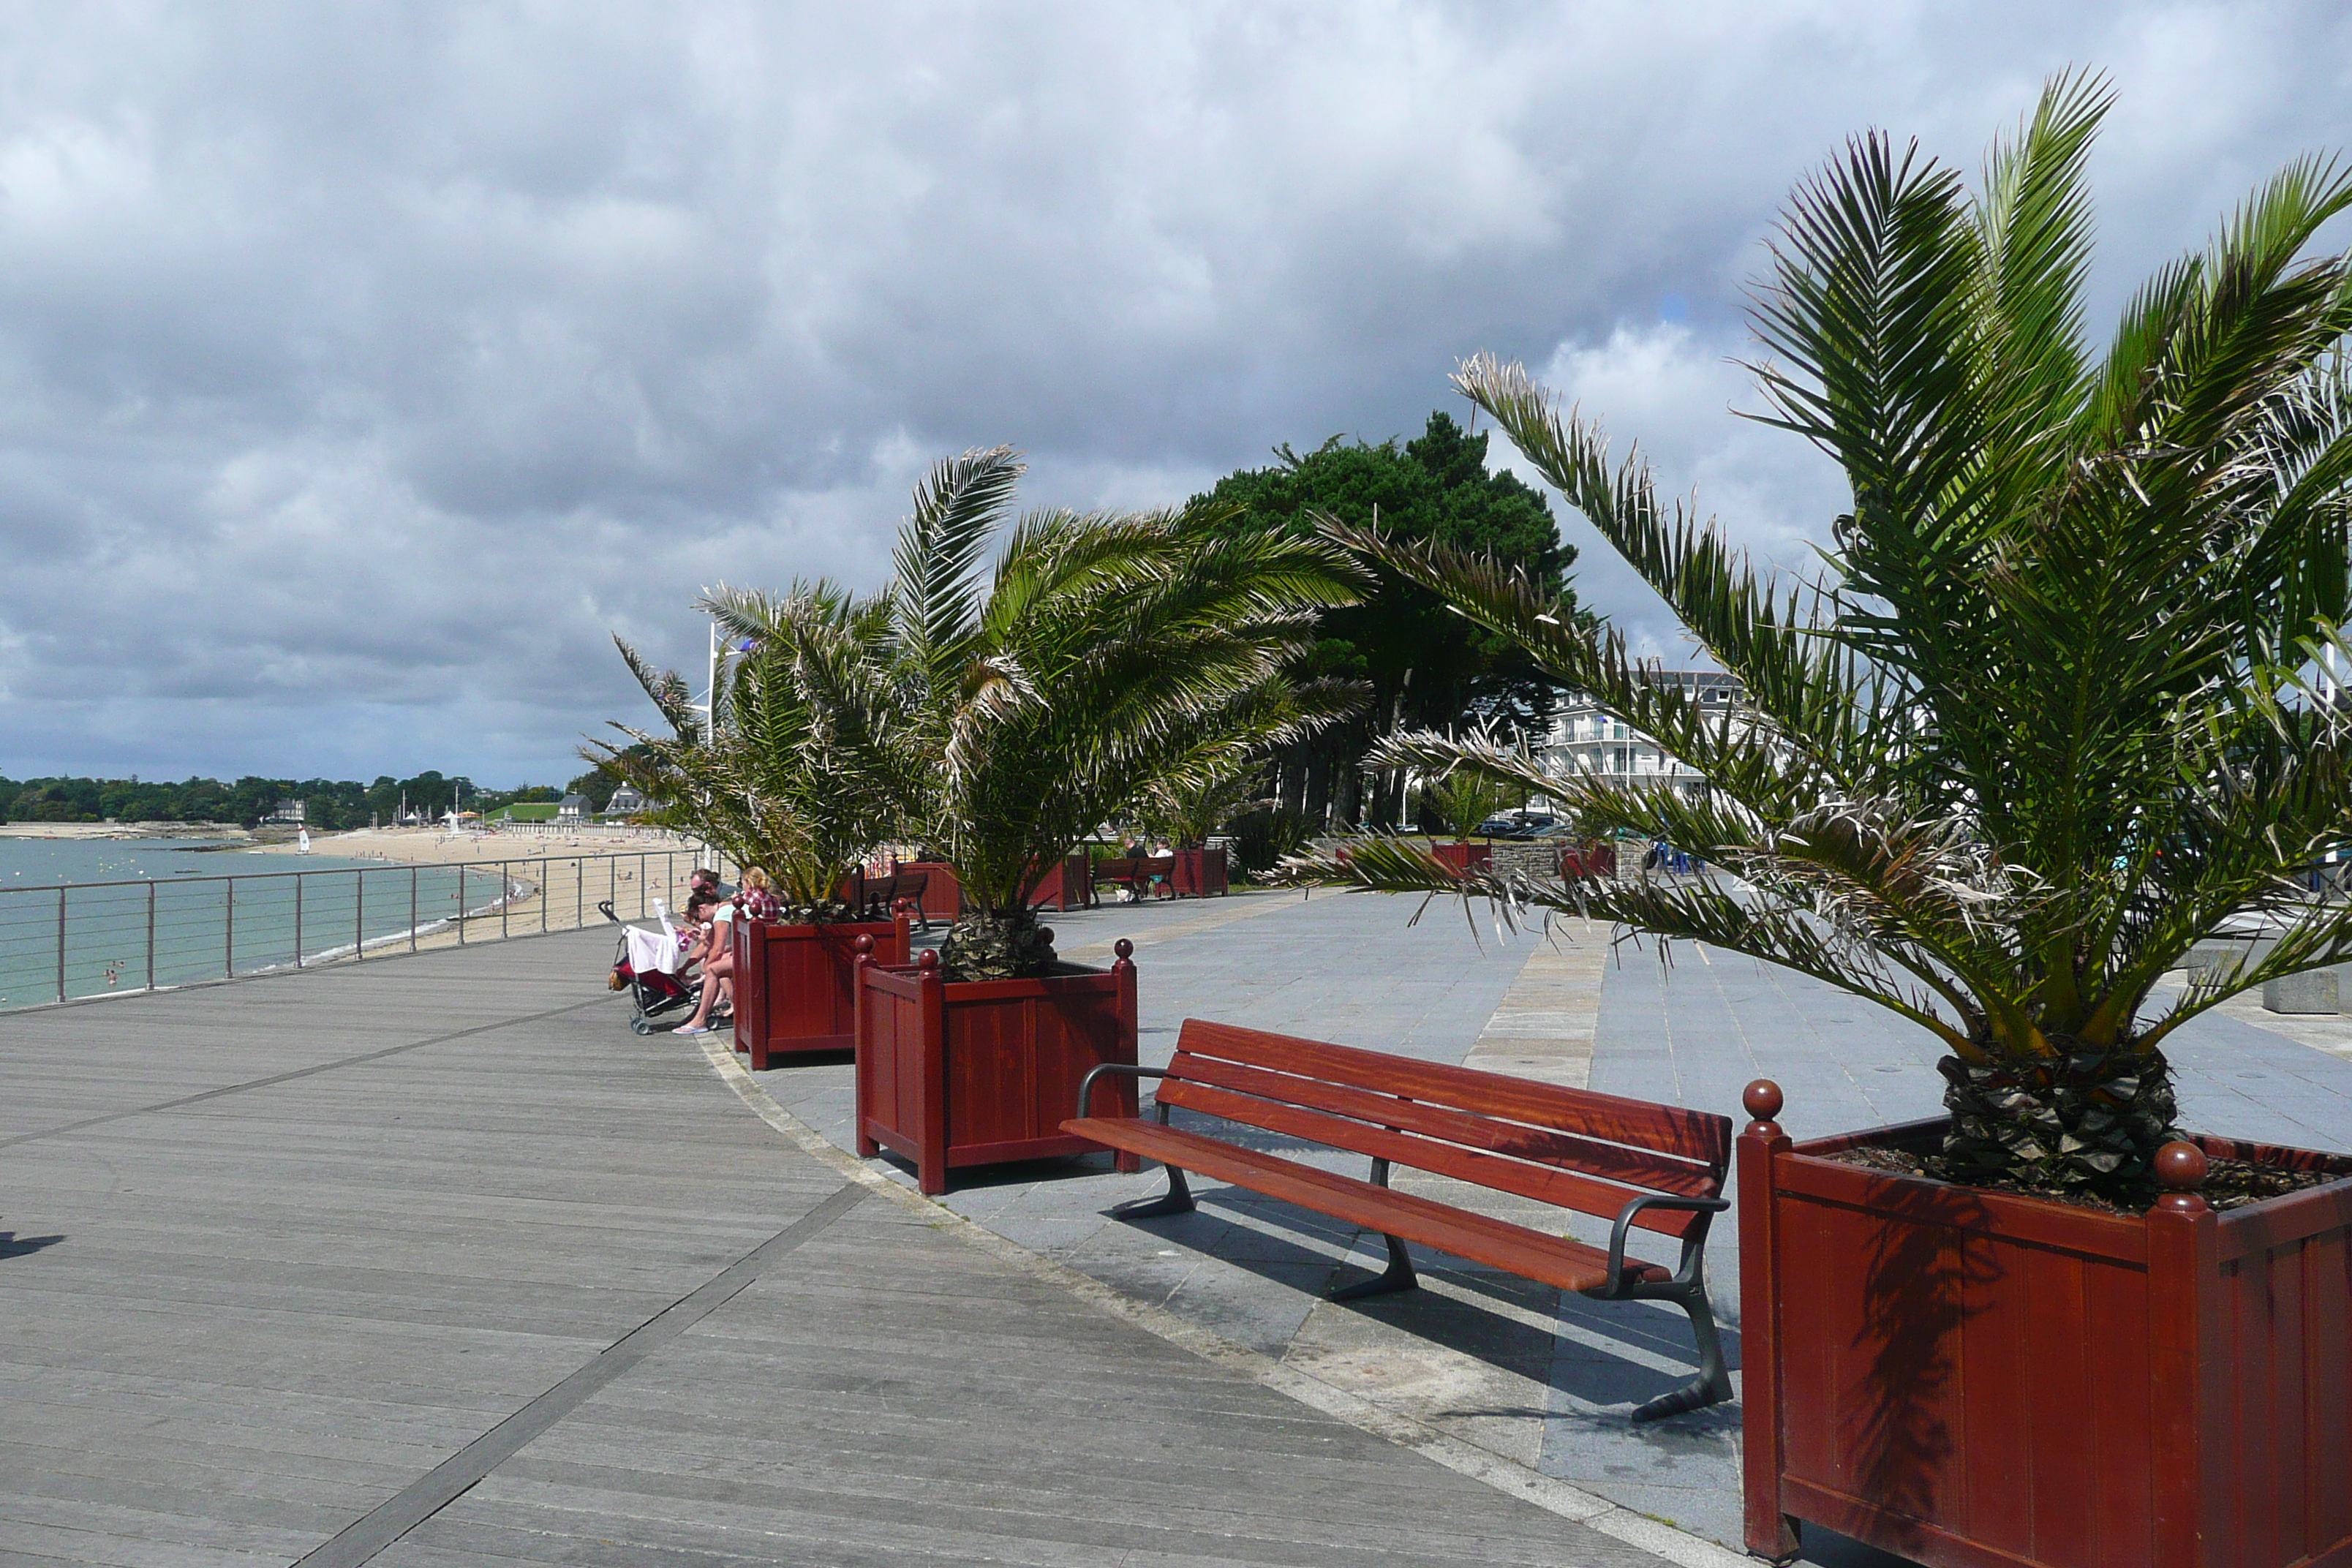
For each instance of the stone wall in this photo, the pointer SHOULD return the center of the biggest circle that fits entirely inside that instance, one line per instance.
(1533, 858)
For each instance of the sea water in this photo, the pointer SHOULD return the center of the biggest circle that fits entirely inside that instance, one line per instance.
(204, 910)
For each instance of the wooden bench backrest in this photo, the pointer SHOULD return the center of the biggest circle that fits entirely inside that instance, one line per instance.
(898, 885)
(1131, 868)
(1571, 1147)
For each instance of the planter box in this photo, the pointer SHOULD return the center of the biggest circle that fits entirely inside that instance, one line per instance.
(1199, 873)
(1972, 1378)
(980, 1072)
(943, 894)
(1592, 861)
(1463, 856)
(795, 987)
(1069, 885)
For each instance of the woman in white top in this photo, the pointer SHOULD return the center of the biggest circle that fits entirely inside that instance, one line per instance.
(718, 955)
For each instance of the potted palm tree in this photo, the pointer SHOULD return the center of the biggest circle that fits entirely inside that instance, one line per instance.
(1018, 706)
(1464, 797)
(773, 780)
(1220, 780)
(2040, 725)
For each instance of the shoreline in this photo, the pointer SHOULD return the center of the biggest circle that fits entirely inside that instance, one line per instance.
(393, 846)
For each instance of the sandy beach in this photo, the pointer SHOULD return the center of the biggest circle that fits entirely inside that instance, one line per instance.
(437, 846)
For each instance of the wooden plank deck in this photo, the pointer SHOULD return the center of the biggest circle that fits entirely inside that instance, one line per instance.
(431, 1261)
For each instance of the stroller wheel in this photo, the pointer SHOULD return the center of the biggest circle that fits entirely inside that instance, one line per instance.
(641, 1024)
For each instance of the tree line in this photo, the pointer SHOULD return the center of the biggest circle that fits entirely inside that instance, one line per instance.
(326, 803)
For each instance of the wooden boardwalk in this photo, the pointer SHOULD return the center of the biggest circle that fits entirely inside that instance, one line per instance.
(431, 1262)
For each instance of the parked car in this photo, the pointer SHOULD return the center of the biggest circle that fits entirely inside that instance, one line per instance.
(1517, 825)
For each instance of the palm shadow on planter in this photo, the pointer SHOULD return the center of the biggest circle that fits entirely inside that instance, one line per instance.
(1916, 1284)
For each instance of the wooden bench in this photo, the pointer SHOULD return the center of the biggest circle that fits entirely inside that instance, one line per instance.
(862, 892)
(1136, 874)
(1658, 1167)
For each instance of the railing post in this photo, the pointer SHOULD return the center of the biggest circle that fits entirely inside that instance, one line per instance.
(61, 944)
(506, 897)
(359, 914)
(412, 909)
(228, 931)
(151, 936)
(546, 893)
(298, 920)
(461, 905)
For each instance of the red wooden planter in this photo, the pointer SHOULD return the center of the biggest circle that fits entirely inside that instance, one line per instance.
(979, 1072)
(1463, 856)
(1592, 861)
(1067, 884)
(1199, 873)
(795, 987)
(1973, 1378)
(943, 894)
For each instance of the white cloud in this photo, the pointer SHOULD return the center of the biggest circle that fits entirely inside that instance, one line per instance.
(362, 368)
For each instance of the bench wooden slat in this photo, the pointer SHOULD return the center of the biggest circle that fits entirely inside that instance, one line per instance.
(1672, 1130)
(1612, 1162)
(1555, 1260)
(1564, 1189)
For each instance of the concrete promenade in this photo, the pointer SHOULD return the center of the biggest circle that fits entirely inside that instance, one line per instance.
(1483, 1358)
(430, 1261)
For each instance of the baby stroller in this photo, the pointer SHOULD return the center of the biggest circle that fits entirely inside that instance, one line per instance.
(646, 965)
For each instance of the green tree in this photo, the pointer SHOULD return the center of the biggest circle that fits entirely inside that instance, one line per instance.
(1424, 666)
(2042, 724)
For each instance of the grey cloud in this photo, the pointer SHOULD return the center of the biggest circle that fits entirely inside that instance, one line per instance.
(360, 369)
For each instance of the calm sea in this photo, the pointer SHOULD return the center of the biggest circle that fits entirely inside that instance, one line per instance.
(202, 911)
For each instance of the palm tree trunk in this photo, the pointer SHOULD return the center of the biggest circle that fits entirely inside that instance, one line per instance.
(2074, 1124)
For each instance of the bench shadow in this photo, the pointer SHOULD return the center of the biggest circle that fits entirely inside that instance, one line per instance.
(1459, 1322)
(15, 1245)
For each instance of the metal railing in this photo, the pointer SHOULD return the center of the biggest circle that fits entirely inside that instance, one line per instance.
(62, 943)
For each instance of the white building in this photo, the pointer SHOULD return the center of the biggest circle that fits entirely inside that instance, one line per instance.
(626, 802)
(572, 808)
(1589, 739)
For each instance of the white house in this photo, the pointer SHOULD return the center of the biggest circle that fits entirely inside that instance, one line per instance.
(573, 809)
(626, 802)
(1590, 739)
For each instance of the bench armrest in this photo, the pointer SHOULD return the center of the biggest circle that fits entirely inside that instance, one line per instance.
(1087, 1084)
(1626, 1222)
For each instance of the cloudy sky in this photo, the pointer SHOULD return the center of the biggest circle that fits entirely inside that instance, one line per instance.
(363, 368)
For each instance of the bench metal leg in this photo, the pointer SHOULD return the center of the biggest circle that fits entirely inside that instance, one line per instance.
(1713, 1385)
(1399, 1276)
(1178, 1199)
